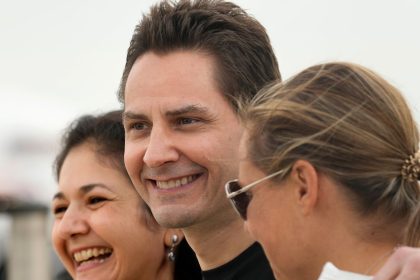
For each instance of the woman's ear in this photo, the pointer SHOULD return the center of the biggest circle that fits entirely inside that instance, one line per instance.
(172, 237)
(305, 178)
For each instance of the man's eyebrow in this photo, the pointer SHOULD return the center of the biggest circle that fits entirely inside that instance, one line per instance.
(193, 108)
(197, 109)
(133, 116)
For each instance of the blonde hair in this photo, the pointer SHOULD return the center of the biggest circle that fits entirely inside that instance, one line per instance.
(412, 234)
(350, 124)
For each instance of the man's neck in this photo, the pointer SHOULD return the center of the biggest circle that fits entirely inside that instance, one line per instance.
(218, 244)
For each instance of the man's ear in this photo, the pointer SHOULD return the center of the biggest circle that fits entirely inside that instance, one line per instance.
(305, 178)
(172, 236)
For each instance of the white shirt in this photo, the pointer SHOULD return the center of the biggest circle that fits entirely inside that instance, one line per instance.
(330, 272)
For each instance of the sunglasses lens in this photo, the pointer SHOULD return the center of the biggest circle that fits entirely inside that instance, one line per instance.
(241, 200)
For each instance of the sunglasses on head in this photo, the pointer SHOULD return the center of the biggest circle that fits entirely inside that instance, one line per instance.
(240, 197)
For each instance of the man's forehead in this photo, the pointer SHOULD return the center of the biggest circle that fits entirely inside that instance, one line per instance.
(178, 74)
(185, 68)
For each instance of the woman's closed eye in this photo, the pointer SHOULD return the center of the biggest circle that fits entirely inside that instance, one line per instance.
(96, 199)
(59, 209)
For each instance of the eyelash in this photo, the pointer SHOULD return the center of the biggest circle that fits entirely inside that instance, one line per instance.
(59, 209)
(142, 127)
(136, 125)
(94, 199)
(181, 121)
(91, 200)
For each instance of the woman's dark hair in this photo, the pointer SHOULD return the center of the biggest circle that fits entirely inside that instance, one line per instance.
(106, 131)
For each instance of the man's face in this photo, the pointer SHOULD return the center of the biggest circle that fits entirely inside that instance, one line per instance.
(182, 138)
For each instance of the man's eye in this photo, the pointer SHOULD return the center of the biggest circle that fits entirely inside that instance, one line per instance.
(138, 126)
(184, 121)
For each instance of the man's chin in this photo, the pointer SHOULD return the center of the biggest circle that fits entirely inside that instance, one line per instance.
(174, 217)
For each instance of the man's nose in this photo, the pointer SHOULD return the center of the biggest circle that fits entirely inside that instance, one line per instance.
(161, 149)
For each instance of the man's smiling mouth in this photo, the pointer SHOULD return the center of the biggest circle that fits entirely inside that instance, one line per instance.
(176, 183)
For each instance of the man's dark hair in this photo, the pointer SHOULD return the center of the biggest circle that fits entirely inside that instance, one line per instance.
(245, 60)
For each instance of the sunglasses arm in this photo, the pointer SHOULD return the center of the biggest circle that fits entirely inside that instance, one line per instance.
(246, 188)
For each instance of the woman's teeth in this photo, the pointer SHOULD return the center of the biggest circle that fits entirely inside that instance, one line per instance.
(175, 183)
(87, 254)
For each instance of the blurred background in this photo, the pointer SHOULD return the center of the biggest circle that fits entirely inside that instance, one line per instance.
(60, 59)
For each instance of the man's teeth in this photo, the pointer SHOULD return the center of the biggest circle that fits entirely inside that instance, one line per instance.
(84, 255)
(174, 183)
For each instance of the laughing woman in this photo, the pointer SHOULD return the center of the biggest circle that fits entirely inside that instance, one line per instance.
(102, 228)
(330, 173)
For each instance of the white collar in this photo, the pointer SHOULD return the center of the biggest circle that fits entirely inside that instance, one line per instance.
(330, 272)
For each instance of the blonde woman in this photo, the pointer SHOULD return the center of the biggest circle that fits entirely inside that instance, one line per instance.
(329, 173)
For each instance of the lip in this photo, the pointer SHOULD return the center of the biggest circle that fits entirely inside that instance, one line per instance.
(80, 267)
(164, 177)
(170, 171)
(92, 265)
(197, 177)
(73, 251)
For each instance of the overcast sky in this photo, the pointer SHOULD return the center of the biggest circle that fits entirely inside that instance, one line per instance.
(60, 59)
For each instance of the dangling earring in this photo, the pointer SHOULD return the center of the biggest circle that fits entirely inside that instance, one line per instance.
(171, 253)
